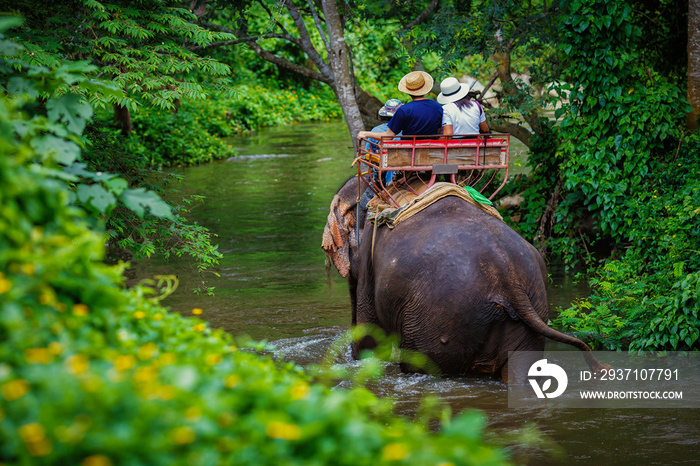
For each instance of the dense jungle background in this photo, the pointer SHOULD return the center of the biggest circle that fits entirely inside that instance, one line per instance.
(101, 100)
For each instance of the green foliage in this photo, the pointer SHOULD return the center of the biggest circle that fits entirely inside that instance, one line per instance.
(140, 48)
(619, 173)
(196, 133)
(191, 136)
(649, 299)
(617, 132)
(137, 218)
(258, 106)
(91, 373)
(378, 56)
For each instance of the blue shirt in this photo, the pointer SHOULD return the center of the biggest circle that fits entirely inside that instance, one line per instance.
(417, 117)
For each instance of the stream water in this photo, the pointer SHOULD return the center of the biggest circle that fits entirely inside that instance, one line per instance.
(269, 206)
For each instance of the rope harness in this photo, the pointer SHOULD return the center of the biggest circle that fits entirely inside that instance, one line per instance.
(380, 213)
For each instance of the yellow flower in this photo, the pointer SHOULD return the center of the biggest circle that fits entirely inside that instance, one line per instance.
(197, 311)
(124, 362)
(77, 364)
(395, 452)
(5, 285)
(47, 297)
(80, 310)
(232, 380)
(158, 316)
(213, 359)
(139, 314)
(283, 430)
(300, 390)
(34, 437)
(182, 435)
(14, 389)
(28, 269)
(55, 348)
(96, 460)
(199, 327)
(38, 355)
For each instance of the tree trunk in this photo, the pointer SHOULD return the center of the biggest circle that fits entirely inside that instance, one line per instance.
(693, 62)
(122, 117)
(338, 60)
(511, 88)
(369, 107)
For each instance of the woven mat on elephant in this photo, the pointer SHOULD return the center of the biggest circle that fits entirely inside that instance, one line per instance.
(384, 214)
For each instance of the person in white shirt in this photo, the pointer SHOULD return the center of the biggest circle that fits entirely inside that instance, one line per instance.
(460, 114)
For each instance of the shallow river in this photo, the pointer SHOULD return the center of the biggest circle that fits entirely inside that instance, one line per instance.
(268, 208)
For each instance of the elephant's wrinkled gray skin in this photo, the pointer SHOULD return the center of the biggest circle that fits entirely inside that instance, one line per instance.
(455, 283)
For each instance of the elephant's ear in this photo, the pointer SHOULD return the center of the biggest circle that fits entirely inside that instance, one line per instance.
(339, 234)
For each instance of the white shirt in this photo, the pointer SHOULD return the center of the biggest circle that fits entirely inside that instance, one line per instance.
(465, 121)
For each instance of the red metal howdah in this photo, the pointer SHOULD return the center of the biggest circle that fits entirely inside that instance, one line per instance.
(465, 160)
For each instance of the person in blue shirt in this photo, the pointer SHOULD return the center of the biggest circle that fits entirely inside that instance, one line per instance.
(421, 116)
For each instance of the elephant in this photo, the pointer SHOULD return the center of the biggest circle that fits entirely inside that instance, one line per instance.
(455, 283)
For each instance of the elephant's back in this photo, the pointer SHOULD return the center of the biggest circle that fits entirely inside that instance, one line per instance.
(452, 246)
(452, 224)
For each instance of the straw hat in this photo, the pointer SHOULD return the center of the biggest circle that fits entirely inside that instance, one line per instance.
(416, 83)
(452, 90)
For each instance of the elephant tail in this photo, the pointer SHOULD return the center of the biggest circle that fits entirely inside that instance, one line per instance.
(530, 317)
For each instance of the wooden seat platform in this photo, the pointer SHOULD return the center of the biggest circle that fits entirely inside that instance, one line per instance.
(464, 159)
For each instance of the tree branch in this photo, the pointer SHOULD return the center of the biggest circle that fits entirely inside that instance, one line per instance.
(317, 21)
(264, 54)
(424, 14)
(272, 17)
(521, 133)
(247, 39)
(302, 70)
(306, 44)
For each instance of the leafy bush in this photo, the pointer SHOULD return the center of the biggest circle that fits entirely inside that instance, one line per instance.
(259, 106)
(191, 136)
(136, 217)
(617, 131)
(614, 173)
(649, 298)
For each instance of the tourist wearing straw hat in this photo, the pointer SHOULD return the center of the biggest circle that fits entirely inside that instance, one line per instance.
(420, 116)
(460, 115)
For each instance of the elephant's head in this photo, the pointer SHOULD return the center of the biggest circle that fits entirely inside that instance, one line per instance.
(340, 233)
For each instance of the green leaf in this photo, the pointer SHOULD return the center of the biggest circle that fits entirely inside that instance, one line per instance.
(139, 199)
(117, 185)
(70, 110)
(18, 86)
(96, 196)
(102, 88)
(64, 152)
